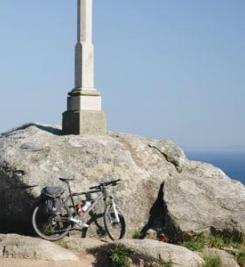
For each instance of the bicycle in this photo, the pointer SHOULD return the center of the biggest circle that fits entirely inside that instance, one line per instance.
(55, 226)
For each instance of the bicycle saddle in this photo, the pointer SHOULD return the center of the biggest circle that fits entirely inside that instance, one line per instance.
(66, 179)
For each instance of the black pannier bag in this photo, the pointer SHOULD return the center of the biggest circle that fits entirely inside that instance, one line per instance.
(52, 204)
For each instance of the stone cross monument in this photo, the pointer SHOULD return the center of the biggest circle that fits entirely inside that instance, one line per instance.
(84, 114)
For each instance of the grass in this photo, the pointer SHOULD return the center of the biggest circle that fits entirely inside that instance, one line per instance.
(241, 257)
(212, 261)
(195, 243)
(119, 256)
(200, 241)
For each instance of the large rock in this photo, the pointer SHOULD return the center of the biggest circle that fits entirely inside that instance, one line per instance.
(16, 246)
(151, 251)
(161, 188)
(203, 197)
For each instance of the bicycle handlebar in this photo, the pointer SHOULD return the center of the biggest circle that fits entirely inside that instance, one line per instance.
(97, 188)
(113, 183)
(85, 193)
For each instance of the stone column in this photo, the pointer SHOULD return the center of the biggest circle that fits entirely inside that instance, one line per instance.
(84, 114)
(84, 57)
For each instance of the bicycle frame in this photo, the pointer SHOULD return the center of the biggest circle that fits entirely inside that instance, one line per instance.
(102, 194)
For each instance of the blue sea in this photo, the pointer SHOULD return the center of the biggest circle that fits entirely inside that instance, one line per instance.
(231, 161)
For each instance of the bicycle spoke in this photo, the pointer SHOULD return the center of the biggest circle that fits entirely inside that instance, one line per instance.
(115, 229)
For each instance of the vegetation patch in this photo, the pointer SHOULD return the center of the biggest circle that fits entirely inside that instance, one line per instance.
(212, 261)
(241, 257)
(165, 264)
(200, 241)
(119, 256)
(194, 243)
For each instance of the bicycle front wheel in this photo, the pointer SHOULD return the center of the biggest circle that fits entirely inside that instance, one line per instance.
(50, 227)
(114, 222)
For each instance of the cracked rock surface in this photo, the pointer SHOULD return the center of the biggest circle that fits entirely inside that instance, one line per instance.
(161, 188)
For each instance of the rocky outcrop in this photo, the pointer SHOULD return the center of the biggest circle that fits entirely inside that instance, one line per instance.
(22, 247)
(203, 198)
(148, 252)
(77, 251)
(161, 189)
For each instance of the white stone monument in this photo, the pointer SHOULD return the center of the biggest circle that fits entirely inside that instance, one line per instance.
(84, 114)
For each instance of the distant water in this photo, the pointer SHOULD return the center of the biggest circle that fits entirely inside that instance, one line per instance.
(232, 162)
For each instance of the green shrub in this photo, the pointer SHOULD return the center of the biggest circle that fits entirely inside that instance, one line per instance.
(241, 257)
(119, 256)
(216, 241)
(47, 228)
(166, 264)
(136, 234)
(212, 261)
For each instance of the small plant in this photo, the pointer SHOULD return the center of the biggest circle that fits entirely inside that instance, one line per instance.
(195, 243)
(47, 228)
(136, 234)
(241, 258)
(212, 261)
(119, 256)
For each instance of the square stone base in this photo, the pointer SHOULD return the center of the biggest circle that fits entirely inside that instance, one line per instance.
(84, 122)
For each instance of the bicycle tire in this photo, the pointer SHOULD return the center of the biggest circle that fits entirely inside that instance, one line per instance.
(42, 232)
(108, 223)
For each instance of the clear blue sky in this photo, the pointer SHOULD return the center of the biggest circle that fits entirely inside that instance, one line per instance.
(166, 68)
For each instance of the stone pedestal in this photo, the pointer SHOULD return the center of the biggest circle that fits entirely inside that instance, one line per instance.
(84, 122)
(84, 115)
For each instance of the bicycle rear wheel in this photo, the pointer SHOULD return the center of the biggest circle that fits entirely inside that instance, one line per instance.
(50, 227)
(115, 230)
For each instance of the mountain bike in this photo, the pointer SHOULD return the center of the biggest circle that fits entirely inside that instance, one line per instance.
(74, 216)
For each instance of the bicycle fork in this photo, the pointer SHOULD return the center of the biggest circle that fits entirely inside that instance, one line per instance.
(117, 219)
